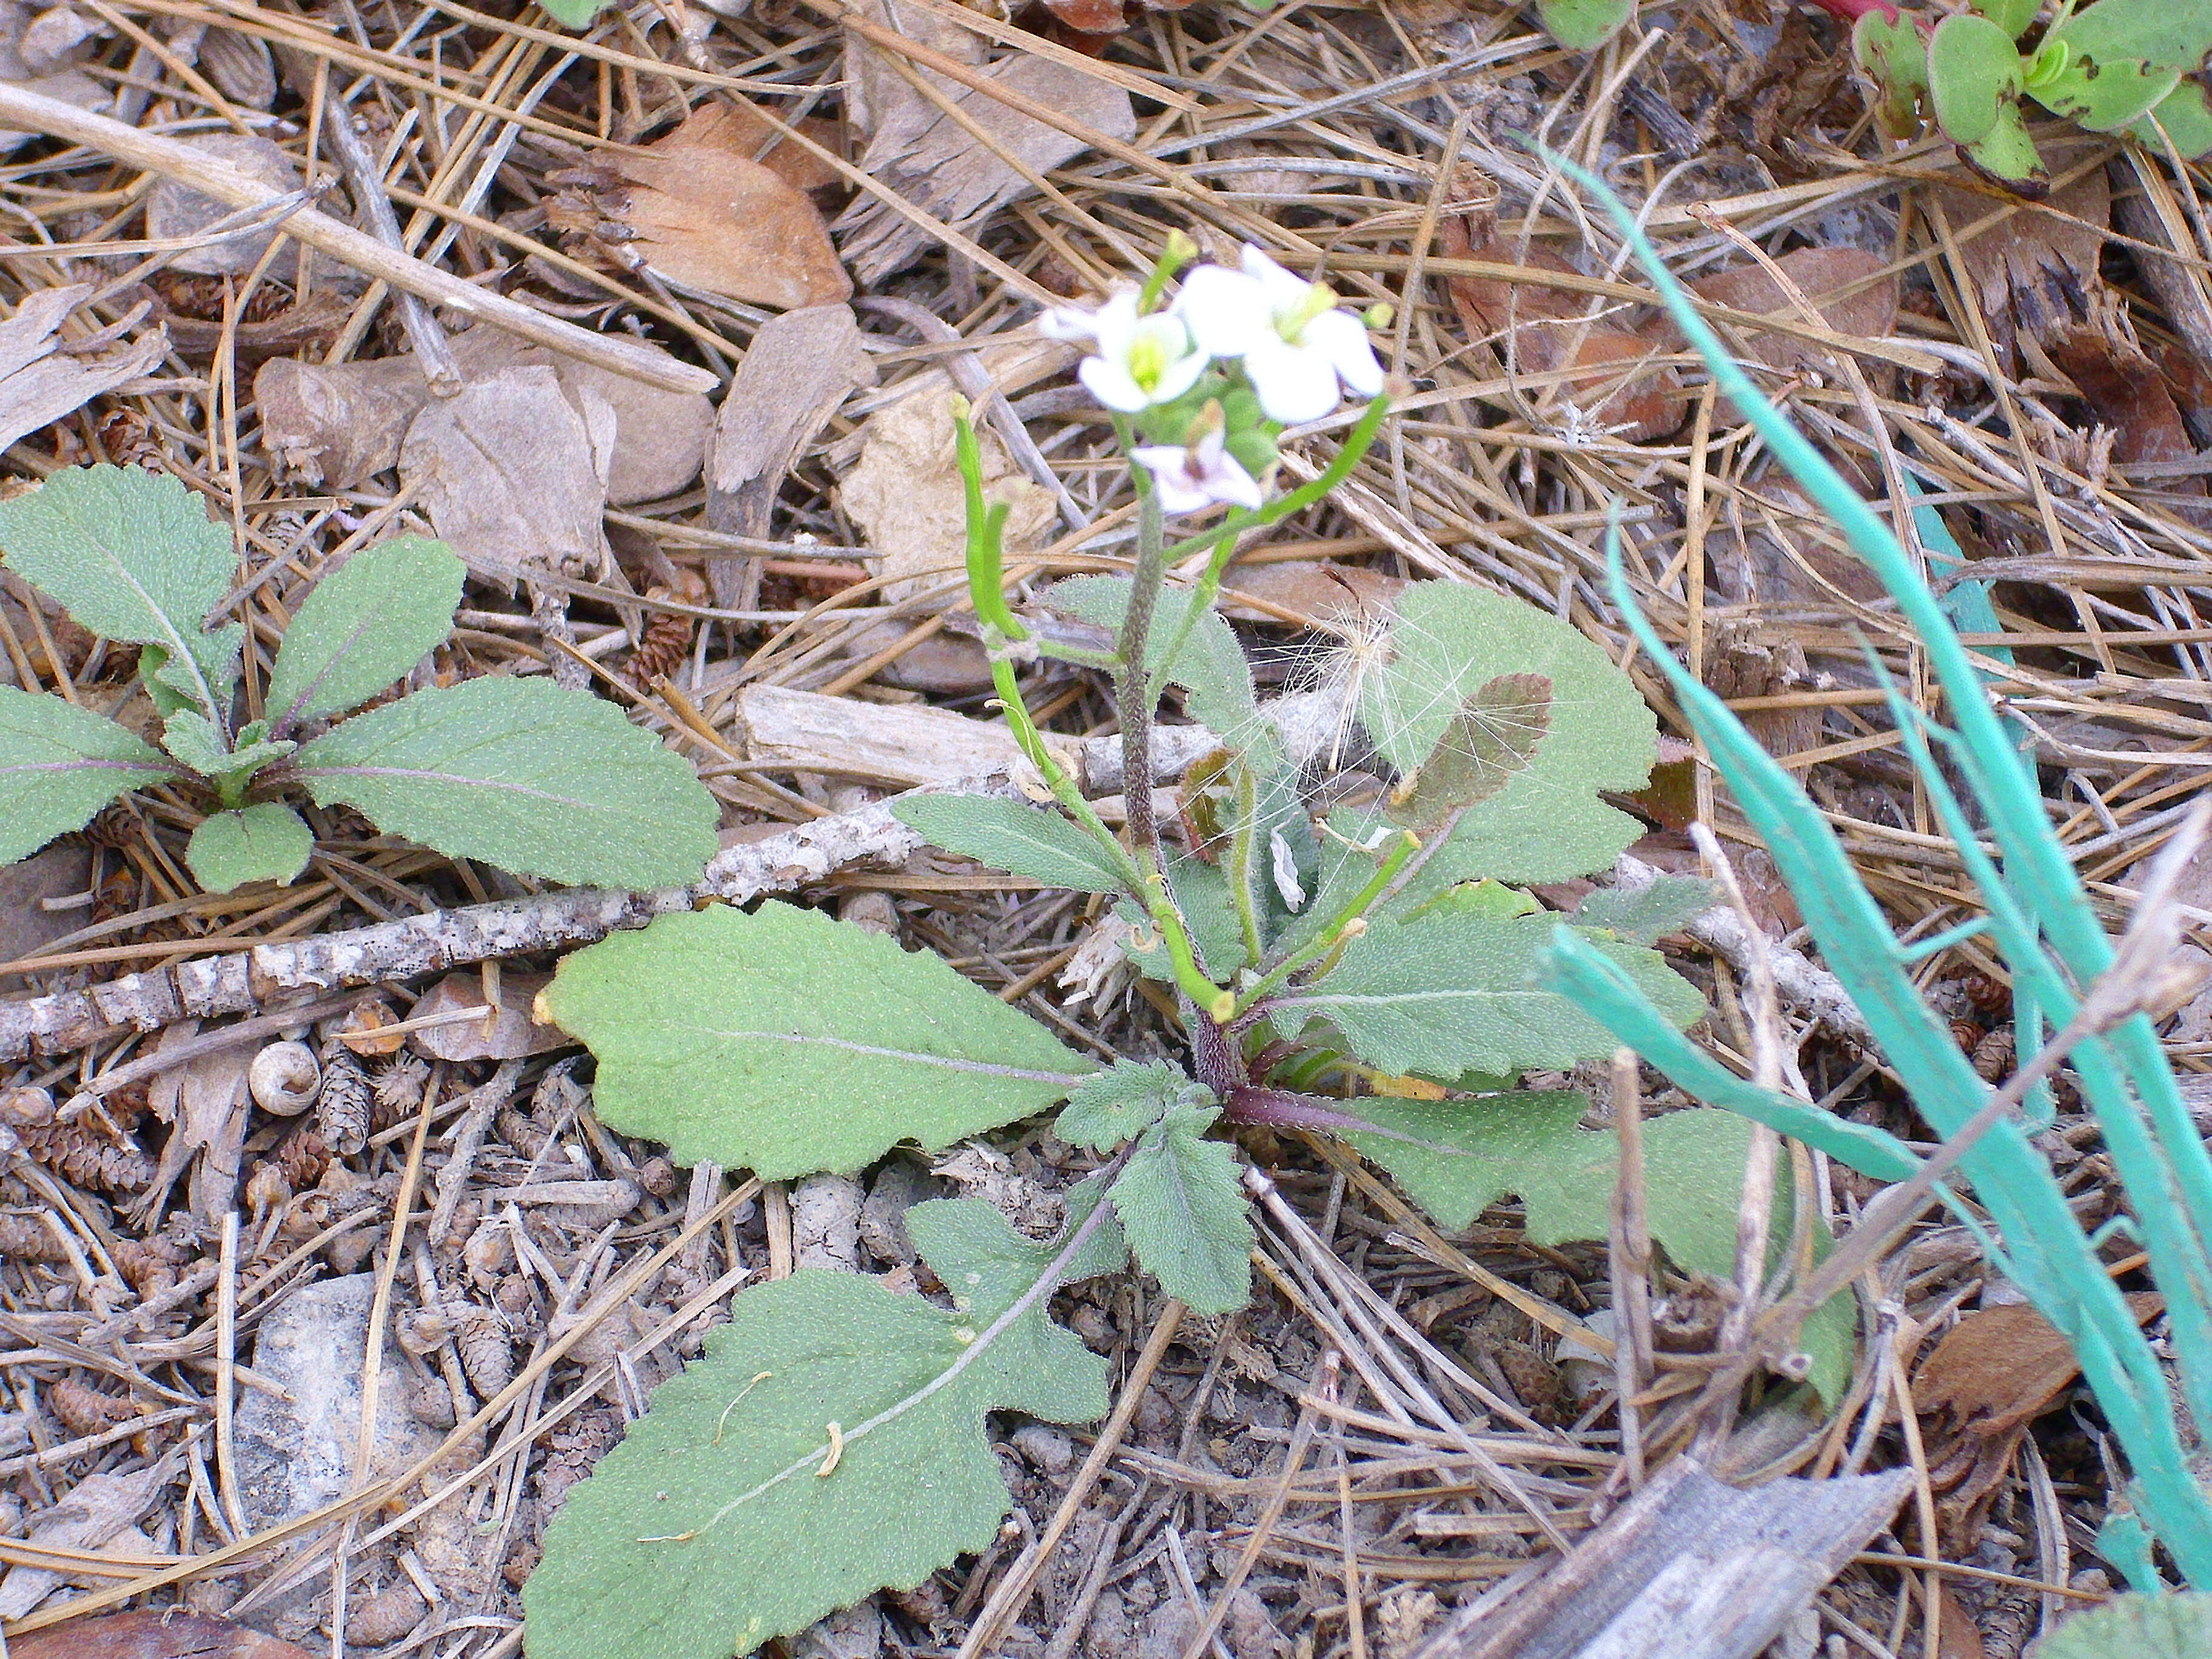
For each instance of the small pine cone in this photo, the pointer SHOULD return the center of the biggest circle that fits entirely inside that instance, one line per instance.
(345, 1104)
(150, 1266)
(385, 1617)
(26, 1238)
(127, 1106)
(1992, 1057)
(115, 826)
(302, 1158)
(128, 438)
(1987, 994)
(666, 644)
(487, 1352)
(87, 1153)
(400, 1090)
(85, 1411)
(519, 1130)
(1967, 1032)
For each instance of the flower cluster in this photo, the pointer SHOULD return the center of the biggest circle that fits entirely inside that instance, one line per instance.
(1215, 376)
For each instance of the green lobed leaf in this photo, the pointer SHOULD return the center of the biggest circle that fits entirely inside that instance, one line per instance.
(1456, 1157)
(365, 625)
(2174, 1627)
(523, 774)
(1120, 1103)
(716, 1526)
(2185, 118)
(1184, 1212)
(59, 764)
(1038, 842)
(1585, 25)
(1647, 914)
(1547, 824)
(191, 737)
(131, 556)
(785, 1043)
(1453, 989)
(1974, 71)
(1210, 667)
(1493, 738)
(265, 843)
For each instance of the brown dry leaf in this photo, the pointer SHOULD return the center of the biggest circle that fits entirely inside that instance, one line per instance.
(165, 1633)
(741, 127)
(695, 209)
(934, 163)
(2094, 344)
(1537, 328)
(44, 377)
(800, 367)
(26, 927)
(514, 475)
(205, 1103)
(175, 209)
(1994, 1373)
(906, 496)
(1323, 594)
(1843, 284)
(509, 1033)
(338, 426)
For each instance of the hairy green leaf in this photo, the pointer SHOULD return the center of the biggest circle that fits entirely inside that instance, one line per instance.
(1184, 1214)
(131, 555)
(2008, 152)
(2121, 57)
(1452, 989)
(1493, 738)
(191, 737)
(1210, 667)
(365, 625)
(2012, 16)
(1585, 25)
(786, 1043)
(1644, 915)
(1038, 842)
(1547, 824)
(2135, 1627)
(831, 1443)
(1456, 1157)
(1115, 1105)
(525, 776)
(267, 842)
(59, 764)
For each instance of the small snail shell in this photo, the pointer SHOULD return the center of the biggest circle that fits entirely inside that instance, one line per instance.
(283, 1079)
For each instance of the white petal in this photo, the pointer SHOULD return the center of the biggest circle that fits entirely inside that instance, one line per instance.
(1179, 377)
(1294, 385)
(1116, 322)
(1066, 322)
(1178, 494)
(1223, 311)
(1285, 290)
(1112, 385)
(1340, 337)
(1230, 482)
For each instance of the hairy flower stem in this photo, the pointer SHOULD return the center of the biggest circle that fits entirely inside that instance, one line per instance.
(1131, 684)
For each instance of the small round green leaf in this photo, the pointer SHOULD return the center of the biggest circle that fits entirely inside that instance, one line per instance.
(365, 625)
(267, 842)
(2184, 118)
(2007, 154)
(1585, 25)
(1973, 71)
(1894, 54)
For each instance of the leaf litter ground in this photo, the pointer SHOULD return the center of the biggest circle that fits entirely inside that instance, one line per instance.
(554, 1272)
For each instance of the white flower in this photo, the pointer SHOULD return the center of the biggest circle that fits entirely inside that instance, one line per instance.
(1190, 480)
(1141, 362)
(1295, 343)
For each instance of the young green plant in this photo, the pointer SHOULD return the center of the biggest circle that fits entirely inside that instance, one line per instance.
(1367, 976)
(518, 773)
